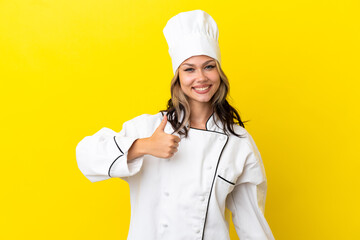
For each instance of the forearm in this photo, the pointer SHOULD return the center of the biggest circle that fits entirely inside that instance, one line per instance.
(138, 148)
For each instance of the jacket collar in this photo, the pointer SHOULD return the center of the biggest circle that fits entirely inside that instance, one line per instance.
(212, 124)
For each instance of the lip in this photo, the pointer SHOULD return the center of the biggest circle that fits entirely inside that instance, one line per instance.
(201, 86)
(203, 91)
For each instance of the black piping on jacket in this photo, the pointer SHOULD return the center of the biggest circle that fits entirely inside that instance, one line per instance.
(226, 180)
(211, 189)
(217, 165)
(122, 154)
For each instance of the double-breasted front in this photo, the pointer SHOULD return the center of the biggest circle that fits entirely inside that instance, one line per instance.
(184, 197)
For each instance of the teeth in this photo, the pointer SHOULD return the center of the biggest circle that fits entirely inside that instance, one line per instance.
(201, 89)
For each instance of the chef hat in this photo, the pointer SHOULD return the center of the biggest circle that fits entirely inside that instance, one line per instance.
(191, 33)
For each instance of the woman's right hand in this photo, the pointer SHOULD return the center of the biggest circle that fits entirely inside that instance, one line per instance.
(161, 144)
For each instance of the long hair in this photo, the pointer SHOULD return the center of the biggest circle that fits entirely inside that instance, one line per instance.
(178, 103)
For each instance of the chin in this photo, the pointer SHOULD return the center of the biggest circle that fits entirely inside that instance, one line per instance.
(196, 98)
(202, 100)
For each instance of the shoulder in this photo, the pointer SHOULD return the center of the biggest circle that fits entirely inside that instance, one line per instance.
(240, 130)
(144, 122)
(143, 118)
(244, 134)
(245, 138)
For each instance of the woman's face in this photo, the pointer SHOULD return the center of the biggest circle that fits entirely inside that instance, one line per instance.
(199, 78)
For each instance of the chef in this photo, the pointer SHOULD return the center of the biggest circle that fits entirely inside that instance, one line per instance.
(186, 164)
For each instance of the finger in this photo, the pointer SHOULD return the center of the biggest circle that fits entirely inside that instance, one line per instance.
(176, 139)
(163, 123)
(174, 146)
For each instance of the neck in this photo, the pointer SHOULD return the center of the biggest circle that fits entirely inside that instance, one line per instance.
(200, 113)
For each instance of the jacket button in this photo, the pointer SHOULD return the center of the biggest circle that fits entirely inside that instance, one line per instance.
(165, 225)
(202, 198)
(166, 193)
(197, 230)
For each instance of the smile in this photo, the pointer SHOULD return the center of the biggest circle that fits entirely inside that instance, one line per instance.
(202, 90)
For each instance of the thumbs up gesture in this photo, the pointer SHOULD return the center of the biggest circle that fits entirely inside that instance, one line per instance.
(163, 145)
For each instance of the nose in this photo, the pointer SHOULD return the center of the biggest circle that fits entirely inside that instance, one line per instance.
(201, 75)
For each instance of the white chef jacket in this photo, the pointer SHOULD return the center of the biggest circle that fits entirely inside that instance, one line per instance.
(183, 197)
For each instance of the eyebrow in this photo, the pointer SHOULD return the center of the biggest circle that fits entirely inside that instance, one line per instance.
(203, 64)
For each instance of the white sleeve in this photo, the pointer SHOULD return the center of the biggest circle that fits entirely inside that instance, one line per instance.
(247, 214)
(247, 200)
(103, 155)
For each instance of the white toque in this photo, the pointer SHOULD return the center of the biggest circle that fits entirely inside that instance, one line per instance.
(191, 33)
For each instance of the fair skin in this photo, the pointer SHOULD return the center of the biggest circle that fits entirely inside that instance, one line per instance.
(195, 73)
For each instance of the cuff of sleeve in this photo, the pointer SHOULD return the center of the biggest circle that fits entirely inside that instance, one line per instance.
(121, 167)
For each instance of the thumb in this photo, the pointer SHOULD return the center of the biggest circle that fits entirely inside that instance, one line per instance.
(163, 123)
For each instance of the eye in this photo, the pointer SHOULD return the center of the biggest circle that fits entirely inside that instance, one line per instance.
(191, 69)
(211, 66)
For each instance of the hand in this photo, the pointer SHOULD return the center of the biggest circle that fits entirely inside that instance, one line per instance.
(161, 144)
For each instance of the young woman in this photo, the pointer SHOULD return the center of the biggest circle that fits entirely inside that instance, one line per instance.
(185, 164)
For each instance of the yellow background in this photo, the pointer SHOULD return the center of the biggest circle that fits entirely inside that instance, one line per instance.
(69, 68)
